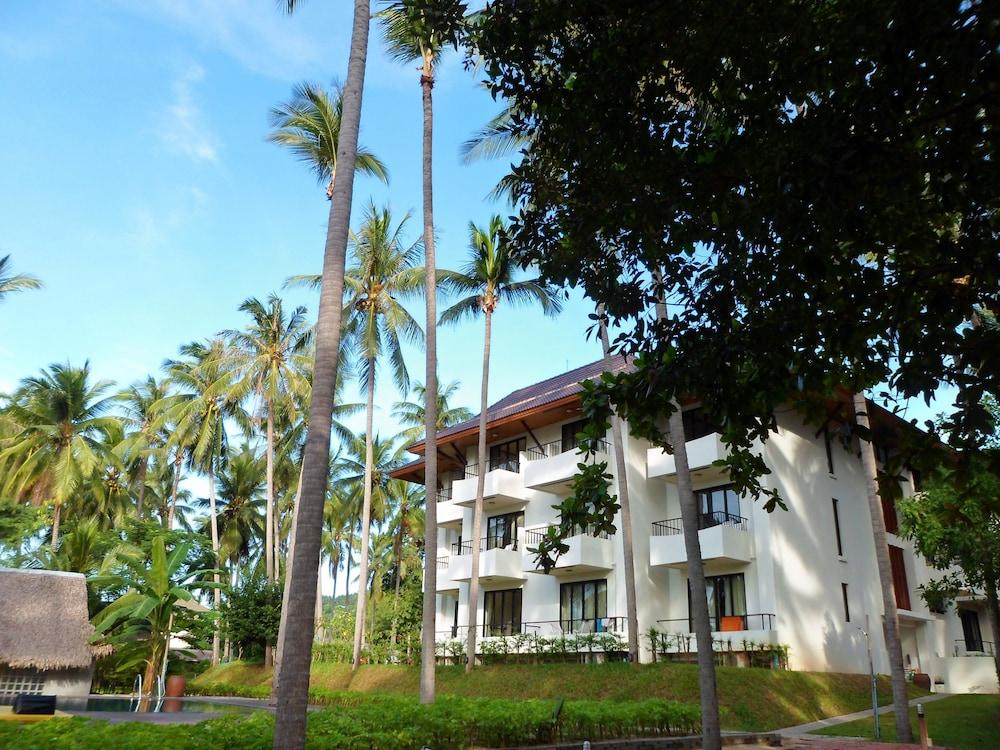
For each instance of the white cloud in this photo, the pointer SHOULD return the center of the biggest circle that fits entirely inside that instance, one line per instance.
(184, 130)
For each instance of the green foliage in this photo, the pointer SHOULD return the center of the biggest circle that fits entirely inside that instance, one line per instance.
(251, 615)
(18, 523)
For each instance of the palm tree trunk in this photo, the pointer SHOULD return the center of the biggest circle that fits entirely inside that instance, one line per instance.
(269, 534)
(710, 724)
(319, 635)
(270, 653)
(711, 733)
(140, 499)
(216, 593)
(626, 509)
(178, 459)
(427, 687)
(477, 514)
(334, 569)
(56, 513)
(893, 648)
(366, 519)
(290, 722)
(350, 558)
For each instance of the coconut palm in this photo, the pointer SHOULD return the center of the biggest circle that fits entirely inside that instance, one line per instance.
(10, 283)
(291, 693)
(264, 355)
(385, 271)
(489, 278)
(140, 404)
(308, 125)
(204, 401)
(405, 523)
(495, 139)
(59, 442)
(411, 414)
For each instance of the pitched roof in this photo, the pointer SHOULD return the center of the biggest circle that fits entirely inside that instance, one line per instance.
(529, 398)
(43, 620)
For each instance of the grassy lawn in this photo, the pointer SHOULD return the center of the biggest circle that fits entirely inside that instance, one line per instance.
(962, 722)
(751, 699)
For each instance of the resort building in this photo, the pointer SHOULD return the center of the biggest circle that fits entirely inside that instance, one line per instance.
(44, 634)
(804, 578)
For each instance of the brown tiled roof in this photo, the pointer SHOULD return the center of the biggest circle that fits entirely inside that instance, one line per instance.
(531, 397)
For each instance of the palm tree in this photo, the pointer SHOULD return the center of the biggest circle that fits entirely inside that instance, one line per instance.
(292, 689)
(199, 411)
(405, 522)
(495, 139)
(308, 125)
(488, 279)
(140, 412)
(385, 271)
(264, 355)
(421, 31)
(893, 647)
(412, 413)
(59, 442)
(16, 282)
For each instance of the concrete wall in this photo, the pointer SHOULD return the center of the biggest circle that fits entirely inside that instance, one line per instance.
(964, 674)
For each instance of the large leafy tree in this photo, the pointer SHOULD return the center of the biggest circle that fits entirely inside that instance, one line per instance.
(293, 685)
(61, 418)
(420, 30)
(385, 270)
(489, 279)
(15, 282)
(266, 355)
(815, 183)
(411, 414)
(140, 405)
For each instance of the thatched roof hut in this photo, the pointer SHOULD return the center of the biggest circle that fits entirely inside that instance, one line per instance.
(43, 621)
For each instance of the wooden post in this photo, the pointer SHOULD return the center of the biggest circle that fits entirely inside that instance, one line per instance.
(922, 723)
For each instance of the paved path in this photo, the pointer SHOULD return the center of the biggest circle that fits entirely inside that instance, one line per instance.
(845, 743)
(812, 726)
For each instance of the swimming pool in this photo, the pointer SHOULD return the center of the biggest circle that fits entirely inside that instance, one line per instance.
(128, 705)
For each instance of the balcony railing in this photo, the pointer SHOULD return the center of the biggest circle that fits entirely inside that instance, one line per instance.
(442, 563)
(557, 448)
(541, 628)
(964, 647)
(705, 521)
(533, 537)
(729, 623)
(472, 470)
(444, 494)
(487, 542)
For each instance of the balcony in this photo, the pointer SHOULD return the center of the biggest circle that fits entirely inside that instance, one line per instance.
(724, 538)
(702, 454)
(502, 490)
(728, 633)
(445, 583)
(971, 647)
(551, 467)
(499, 562)
(449, 515)
(587, 553)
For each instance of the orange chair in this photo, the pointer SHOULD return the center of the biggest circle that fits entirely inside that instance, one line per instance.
(731, 623)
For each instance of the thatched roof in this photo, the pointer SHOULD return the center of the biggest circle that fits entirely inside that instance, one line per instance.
(43, 620)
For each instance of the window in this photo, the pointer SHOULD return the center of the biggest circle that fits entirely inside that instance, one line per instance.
(583, 606)
(828, 441)
(727, 602)
(718, 505)
(454, 623)
(569, 431)
(502, 531)
(507, 455)
(889, 515)
(847, 608)
(836, 526)
(899, 577)
(696, 424)
(21, 682)
(971, 632)
(502, 612)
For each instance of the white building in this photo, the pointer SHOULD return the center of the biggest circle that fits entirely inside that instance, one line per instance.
(805, 578)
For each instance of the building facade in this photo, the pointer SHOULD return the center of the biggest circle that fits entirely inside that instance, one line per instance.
(804, 578)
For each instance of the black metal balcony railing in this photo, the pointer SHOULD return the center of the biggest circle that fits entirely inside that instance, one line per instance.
(442, 563)
(728, 623)
(533, 537)
(444, 494)
(705, 521)
(487, 542)
(541, 628)
(965, 647)
(472, 470)
(557, 448)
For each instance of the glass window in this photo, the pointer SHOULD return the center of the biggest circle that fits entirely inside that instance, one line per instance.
(507, 455)
(718, 505)
(583, 606)
(502, 612)
(836, 526)
(696, 424)
(569, 431)
(502, 531)
(727, 598)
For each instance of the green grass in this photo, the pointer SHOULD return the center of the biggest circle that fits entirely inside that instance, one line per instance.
(751, 699)
(962, 722)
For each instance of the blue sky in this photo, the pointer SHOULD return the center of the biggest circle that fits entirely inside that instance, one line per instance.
(138, 185)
